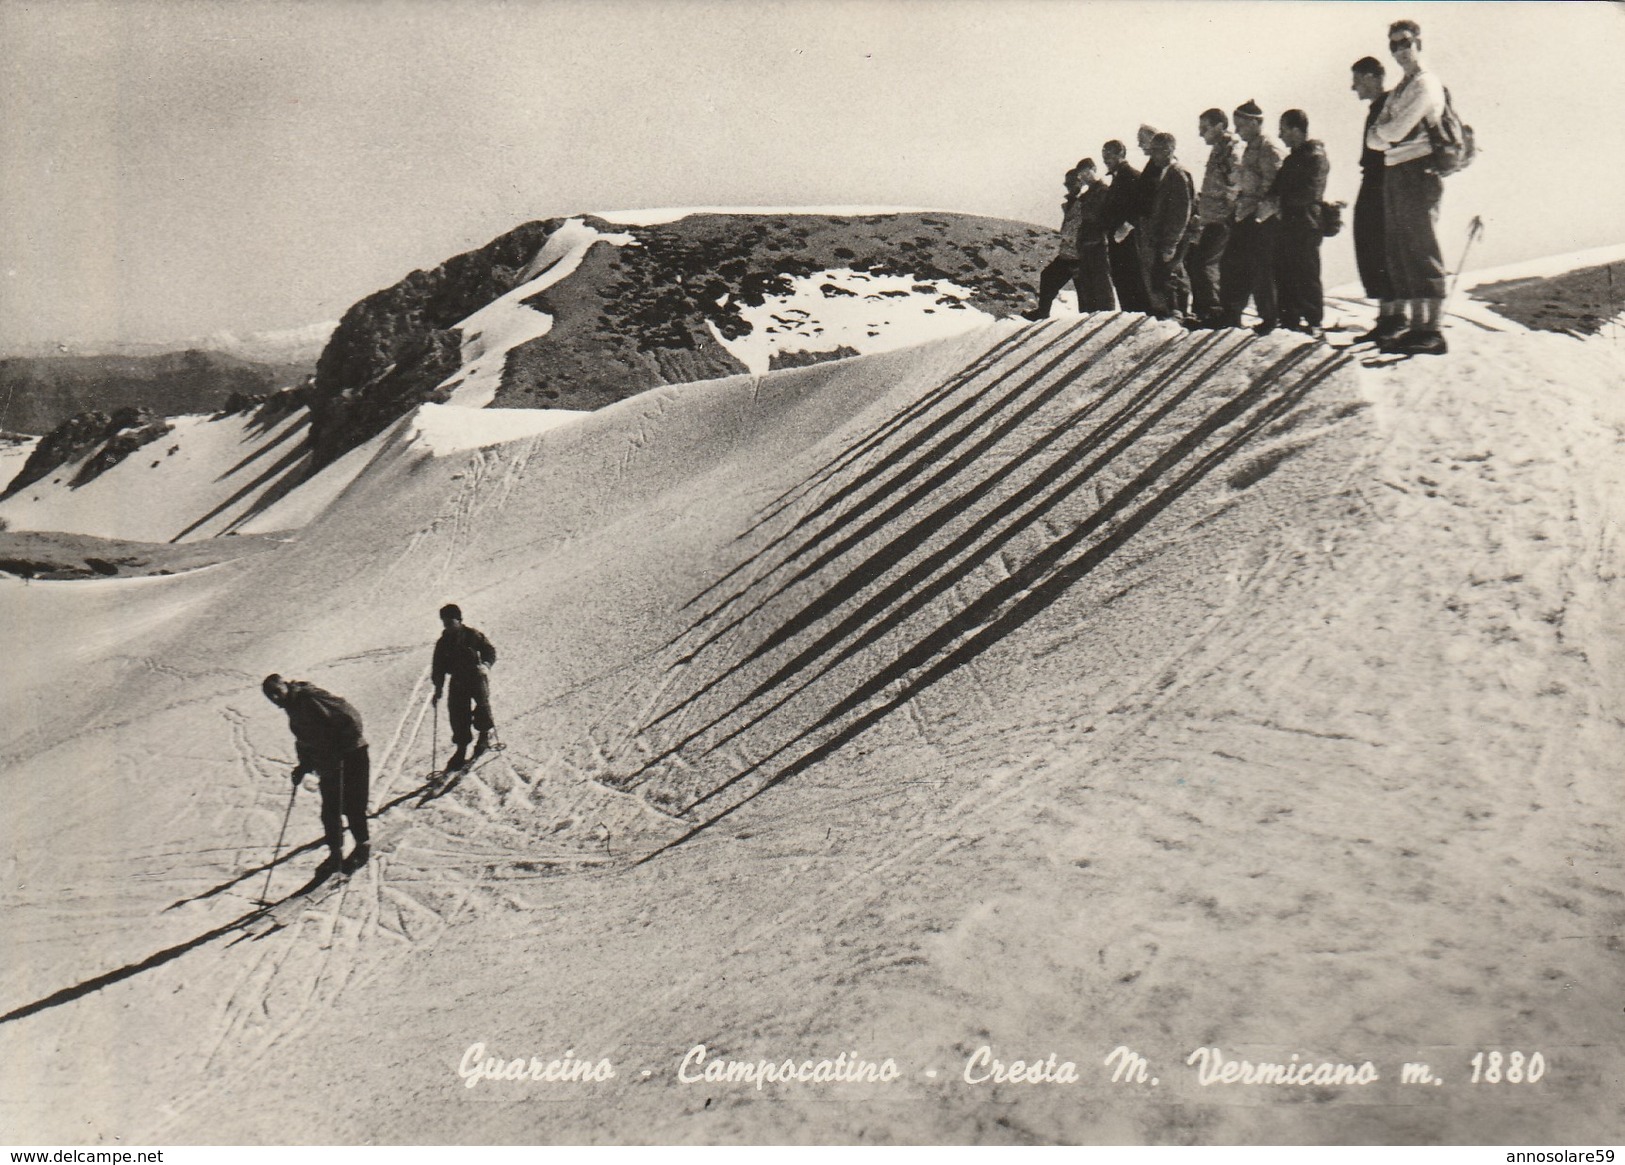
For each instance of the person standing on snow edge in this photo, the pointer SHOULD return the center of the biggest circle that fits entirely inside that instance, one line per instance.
(464, 655)
(329, 742)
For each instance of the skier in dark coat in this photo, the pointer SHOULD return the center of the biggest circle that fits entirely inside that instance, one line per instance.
(1122, 206)
(1094, 277)
(1299, 189)
(329, 742)
(1166, 230)
(464, 655)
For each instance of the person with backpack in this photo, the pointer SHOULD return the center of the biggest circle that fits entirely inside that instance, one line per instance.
(1166, 228)
(1412, 191)
(1300, 190)
(329, 742)
(464, 656)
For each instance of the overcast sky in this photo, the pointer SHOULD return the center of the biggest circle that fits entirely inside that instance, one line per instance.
(170, 168)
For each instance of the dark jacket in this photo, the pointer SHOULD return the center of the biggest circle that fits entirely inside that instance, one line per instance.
(1145, 193)
(459, 654)
(1371, 161)
(1300, 185)
(1093, 207)
(325, 727)
(1122, 198)
(1173, 201)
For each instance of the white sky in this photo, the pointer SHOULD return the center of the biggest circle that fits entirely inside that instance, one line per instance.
(170, 168)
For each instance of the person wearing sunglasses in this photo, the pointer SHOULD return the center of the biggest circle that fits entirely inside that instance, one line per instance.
(1411, 192)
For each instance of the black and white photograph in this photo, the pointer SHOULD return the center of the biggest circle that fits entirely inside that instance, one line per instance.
(931, 573)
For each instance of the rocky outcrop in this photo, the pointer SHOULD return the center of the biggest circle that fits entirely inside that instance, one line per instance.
(799, 359)
(102, 440)
(636, 316)
(392, 349)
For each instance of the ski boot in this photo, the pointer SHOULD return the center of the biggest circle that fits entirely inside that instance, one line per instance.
(358, 858)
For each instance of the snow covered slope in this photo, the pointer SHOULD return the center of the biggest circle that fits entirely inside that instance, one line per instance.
(192, 483)
(235, 475)
(1045, 688)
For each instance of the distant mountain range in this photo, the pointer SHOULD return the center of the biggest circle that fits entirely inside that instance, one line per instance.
(299, 345)
(39, 393)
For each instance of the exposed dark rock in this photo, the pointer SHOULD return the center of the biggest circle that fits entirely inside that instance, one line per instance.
(1579, 303)
(802, 359)
(633, 317)
(392, 349)
(107, 439)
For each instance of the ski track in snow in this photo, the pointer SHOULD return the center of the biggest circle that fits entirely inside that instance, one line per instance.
(930, 529)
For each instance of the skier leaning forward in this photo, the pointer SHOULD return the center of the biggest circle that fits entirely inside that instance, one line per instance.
(465, 655)
(329, 742)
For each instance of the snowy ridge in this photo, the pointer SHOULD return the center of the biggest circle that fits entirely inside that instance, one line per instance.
(505, 323)
(452, 428)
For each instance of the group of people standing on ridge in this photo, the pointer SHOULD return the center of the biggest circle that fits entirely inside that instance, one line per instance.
(330, 742)
(1153, 241)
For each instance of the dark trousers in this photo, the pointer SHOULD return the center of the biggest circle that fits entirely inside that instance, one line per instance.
(344, 782)
(1128, 276)
(1248, 272)
(1297, 275)
(468, 703)
(1202, 268)
(1410, 197)
(1052, 279)
(1094, 279)
(1170, 293)
(1370, 247)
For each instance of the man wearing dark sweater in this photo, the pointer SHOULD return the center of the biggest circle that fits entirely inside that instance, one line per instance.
(328, 741)
(1370, 241)
(1299, 189)
(1122, 208)
(464, 655)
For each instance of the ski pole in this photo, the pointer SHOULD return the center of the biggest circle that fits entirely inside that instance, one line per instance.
(1474, 229)
(276, 853)
(434, 735)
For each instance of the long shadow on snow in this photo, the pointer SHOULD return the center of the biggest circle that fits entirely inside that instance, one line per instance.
(857, 578)
(171, 953)
(1034, 585)
(909, 461)
(284, 465)
(927, 579)
(292, 430)
(879, 433)
(874, 440)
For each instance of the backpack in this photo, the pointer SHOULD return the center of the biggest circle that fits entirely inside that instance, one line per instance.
(1453, 145)
(1331, 218)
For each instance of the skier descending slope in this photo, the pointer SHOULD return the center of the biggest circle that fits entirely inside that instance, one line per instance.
(328, 738)
(465, 655)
